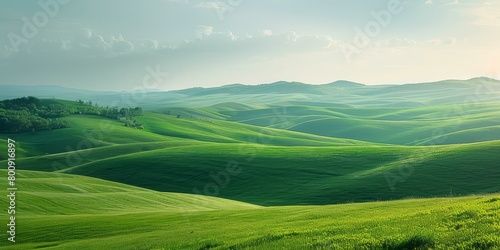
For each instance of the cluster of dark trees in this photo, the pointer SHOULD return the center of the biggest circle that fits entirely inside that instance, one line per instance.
(26, 114)
(29, 114)
(12, 121)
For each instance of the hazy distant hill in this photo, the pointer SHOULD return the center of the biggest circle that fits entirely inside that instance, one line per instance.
(47, 91)
(339, 93)
(272, 88)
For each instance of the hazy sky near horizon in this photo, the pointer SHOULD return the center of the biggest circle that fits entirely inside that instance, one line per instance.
(176, 44)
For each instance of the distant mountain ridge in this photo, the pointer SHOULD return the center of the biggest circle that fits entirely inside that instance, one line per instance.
(342, 92)
(47, 91)
(280, 87)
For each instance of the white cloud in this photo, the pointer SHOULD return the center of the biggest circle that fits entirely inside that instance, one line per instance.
(149, 44)
(395, 42)
(204, 31)
(116, 44)
(217, 5)
(441, 2)
(86, 33)
(209, 5)
(450, 41)
(178, 1)
(292, 36)
(123, 47)
(449, 2)
(267, 32)
(96, 41)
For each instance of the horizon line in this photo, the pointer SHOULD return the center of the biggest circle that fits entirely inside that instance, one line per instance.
(153, 90)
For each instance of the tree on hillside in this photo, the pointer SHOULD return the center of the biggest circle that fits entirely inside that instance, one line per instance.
(31, 114)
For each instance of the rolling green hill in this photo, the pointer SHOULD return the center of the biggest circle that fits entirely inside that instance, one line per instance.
(222, 131)
(273, 175)
(274, 167)
(93, 132)
(449, 124)
(179, 154)
(42, 193)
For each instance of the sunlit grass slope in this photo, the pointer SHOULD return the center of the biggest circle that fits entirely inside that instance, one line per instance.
(429, 125)
(444, 223)
(42, 193)
(93, 132)
(224, 131)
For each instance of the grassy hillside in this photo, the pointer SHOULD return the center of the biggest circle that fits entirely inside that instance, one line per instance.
(273, 175)
(101, 131)
(43, 193)
(403, 126)
(445, 223)
(273, 167)
(223, 131)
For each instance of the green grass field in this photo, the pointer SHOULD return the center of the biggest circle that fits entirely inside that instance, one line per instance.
(273, 175)
(60, 211)
(255, 176)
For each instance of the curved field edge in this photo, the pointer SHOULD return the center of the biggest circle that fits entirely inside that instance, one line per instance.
(42, 193)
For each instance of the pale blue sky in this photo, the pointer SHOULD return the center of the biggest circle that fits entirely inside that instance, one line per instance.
(108, 45)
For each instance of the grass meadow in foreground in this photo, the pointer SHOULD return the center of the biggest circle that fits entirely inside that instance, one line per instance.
(471, 222)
